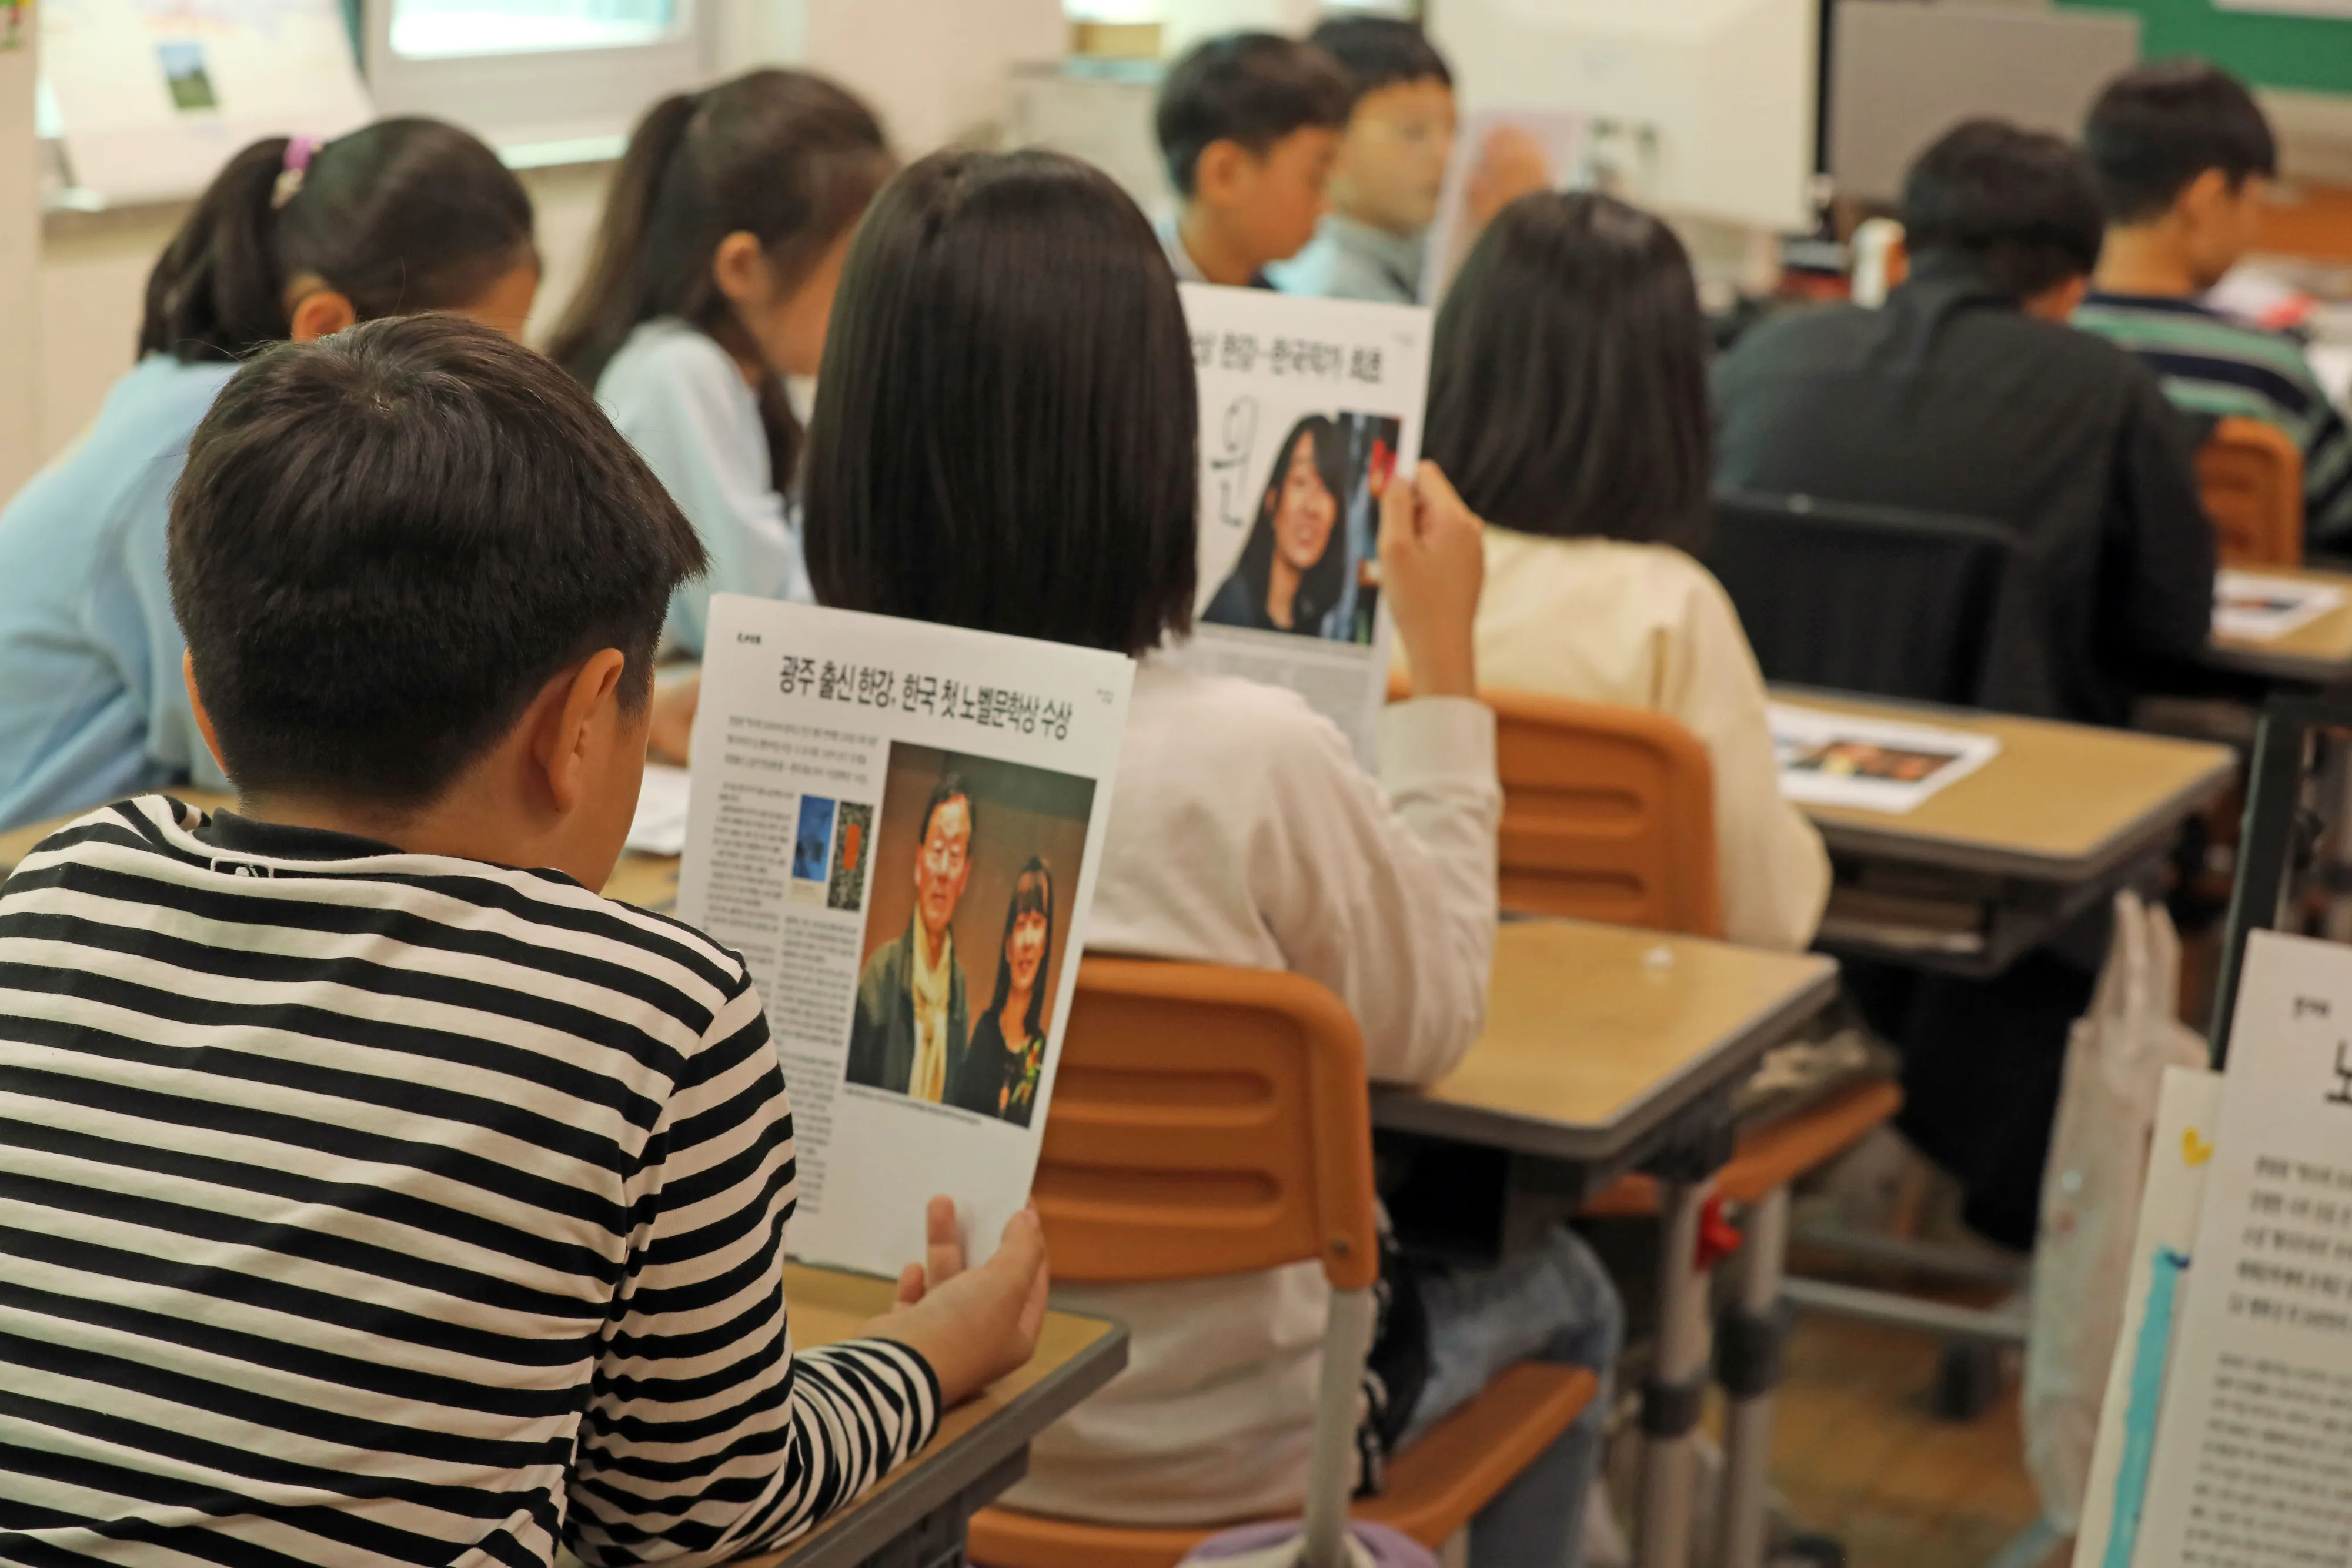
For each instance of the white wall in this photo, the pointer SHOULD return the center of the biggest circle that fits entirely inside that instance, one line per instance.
(20, 445)
(935, 70)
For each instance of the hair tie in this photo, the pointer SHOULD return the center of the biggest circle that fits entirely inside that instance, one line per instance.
(299, 151)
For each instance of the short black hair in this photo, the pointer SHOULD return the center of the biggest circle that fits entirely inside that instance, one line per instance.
(1380, 51)
(1567, 377)
(2017, 207)
(1006, 427)
(1252, 89)
(387, 543)
(950, 787)
(2159, 126)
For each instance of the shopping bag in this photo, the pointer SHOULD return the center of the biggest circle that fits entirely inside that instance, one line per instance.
(1278, 1546)
(2115, 1061)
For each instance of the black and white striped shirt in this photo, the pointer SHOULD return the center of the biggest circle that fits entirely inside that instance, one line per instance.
(362, 1207)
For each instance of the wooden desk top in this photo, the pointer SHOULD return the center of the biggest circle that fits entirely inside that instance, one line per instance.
(649, 882)
(2061, 804)
(1597, 1035)
(2316, 654)
(1076, 1356)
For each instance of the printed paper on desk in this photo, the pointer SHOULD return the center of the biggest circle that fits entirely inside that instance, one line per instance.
(1308, 407)
(2258, 609)
(1875, 765)
(897, 825)
(2254, 1447)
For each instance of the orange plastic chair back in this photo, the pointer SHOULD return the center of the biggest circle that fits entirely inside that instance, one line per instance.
(2251, 476)
(1608, 815)
(1207, 1121)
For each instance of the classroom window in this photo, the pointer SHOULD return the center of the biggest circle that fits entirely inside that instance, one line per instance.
(439, 29)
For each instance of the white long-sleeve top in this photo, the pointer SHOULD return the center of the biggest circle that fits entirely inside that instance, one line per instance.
(1245, 832)
(1645, 626)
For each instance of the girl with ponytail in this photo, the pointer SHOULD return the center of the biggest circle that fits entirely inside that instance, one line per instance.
(711, 283)
(294, 240)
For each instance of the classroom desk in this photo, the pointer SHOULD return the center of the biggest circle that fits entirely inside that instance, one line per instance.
(1607, 1047)
(2317, 654)
(1999, 862)
(917, 1516)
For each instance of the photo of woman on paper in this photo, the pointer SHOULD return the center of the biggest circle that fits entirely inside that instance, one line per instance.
(1305, 566)
(1007, 1054)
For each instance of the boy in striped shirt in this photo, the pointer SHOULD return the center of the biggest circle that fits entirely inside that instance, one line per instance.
(2182, 152)
(363, 1199)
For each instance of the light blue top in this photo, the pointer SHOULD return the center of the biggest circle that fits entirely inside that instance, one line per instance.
(1352, 260)
(92, 706)
(682, 403)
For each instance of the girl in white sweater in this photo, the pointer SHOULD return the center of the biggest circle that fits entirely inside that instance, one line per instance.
(1004, 437)
(1568, 399)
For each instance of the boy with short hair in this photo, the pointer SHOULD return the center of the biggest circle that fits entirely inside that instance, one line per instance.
(369, 1201)
(2182, 152)
(1249, 124)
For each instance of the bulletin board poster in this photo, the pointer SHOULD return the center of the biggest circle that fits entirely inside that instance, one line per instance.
(2253, 1461)
(1309, 409)
(153, 96)
(898, 826)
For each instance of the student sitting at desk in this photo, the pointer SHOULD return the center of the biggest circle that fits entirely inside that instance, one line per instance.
(373, 1199)
(1967, 394)
(1248, 125)
(2182, 154)
(293, 240)
(712, 281)
(1568, 398)
(1004, 439)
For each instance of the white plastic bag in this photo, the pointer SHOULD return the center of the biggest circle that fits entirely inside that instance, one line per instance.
(2091, 1197)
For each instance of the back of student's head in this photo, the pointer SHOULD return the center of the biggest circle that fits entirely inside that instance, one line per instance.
(1380, 51)
(400, 215)
(1004, 433)
(2018, 208)
(387, 543)
(2158, 127)
(789, 158)
(1249, 89)
(1567, 379)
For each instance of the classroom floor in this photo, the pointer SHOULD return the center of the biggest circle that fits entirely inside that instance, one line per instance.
(1857, 1454)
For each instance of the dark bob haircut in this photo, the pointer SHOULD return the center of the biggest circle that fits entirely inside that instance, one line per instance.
(2016, 207)
(1252, 89)
(387, 543)
(401, 215)
(1567, 379)
(1380, 51)
(1005, 429)
(2158, 127)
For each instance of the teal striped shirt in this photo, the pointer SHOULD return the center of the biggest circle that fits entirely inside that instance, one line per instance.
(2212, 365)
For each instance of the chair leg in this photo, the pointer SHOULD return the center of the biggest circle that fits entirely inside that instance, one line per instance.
(1748, 1365)
(1676, 1393)
(1347, 1340)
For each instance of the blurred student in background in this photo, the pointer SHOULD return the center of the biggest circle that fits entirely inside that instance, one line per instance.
(1249, 124)
(712, 279)
(1568, 398)
(292, 241)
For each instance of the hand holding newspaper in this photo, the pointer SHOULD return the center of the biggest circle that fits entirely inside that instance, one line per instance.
(898, 826)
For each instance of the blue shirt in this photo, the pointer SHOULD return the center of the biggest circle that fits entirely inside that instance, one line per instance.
(92, 707)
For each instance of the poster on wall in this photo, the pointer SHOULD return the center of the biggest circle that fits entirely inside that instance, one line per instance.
(1309, 408)
(898, 826)
(153, 96)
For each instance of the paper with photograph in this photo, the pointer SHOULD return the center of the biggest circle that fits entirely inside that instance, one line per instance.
(1875, 765)
(2259, 609)
(1308, 407)
(898, 826)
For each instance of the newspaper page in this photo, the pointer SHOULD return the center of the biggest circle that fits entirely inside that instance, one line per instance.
(1875, 765)
(2252, 1464)
(2259, 609)
(898, 825)
(1308, 407)
(1559, 135)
